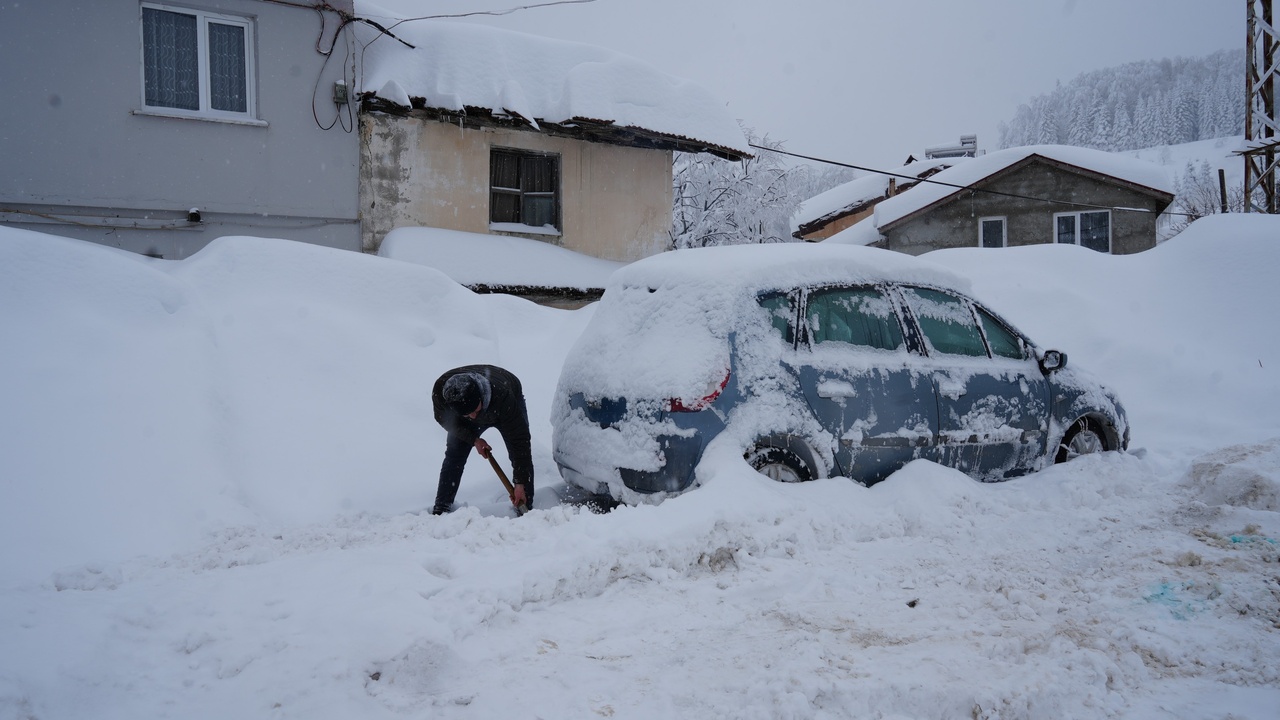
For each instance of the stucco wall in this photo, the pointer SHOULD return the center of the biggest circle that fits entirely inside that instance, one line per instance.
(75, 141)
(1029, 222)
(615, 201)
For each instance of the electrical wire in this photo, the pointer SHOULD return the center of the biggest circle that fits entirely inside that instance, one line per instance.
(972, 188)
(508, 11)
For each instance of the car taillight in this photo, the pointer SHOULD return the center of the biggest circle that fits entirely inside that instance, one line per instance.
(678, 405)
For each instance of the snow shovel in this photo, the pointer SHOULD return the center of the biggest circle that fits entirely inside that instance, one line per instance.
(511, 490)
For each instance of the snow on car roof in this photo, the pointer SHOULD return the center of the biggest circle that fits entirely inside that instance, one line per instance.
(781, 265)
(689, 301)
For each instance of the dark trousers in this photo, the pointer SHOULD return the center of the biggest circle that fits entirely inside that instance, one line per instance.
(455, 459)
(456, 451)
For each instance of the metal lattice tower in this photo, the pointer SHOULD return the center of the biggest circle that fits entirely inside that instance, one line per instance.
(1261, 124)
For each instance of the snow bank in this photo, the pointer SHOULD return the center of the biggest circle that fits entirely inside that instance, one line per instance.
(504, 260)
(207, 470)
(257, 381)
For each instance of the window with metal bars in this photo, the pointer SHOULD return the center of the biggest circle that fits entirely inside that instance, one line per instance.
(524, 188)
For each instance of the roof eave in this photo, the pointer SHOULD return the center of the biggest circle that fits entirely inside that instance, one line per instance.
(587, 129)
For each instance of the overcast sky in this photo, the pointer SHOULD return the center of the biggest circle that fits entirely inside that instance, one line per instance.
(868, 83)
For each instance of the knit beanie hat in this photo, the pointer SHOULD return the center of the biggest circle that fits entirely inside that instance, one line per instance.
(462, 393)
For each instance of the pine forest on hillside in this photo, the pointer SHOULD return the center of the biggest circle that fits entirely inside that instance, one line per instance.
(1137, 105)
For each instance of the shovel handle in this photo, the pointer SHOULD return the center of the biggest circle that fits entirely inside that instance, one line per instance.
(511, 490)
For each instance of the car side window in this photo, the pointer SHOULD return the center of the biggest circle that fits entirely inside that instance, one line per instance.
(781, 314)
(857, 316)
(946, 322)
(1003, 343)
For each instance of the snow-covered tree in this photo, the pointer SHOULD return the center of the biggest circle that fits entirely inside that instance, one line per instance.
(1165, 102)
(1199, 193)
(721, 202)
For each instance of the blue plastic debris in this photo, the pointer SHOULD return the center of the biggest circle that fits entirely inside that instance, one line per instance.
(1251, 538)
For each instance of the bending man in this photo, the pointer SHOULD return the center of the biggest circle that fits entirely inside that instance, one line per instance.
(469, 400)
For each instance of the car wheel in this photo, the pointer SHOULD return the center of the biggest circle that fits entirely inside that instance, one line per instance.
(779, 464)
(1084, 438)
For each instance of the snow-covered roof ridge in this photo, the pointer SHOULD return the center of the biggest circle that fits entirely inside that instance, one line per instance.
(847, 196)
(455, 65)
(1128, 169)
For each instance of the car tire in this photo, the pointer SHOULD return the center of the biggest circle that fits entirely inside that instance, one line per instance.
(779, 464)
(1084, 437)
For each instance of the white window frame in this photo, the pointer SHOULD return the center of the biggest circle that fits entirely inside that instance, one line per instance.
(206, 111)
(1004, 229)
(1076, 240)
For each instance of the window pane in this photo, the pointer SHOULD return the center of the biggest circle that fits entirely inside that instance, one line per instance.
(1095, 230)
(993, 233)
(1002, 342)
(227, 71)
(778, 307)
(537, 173)
(170, 67)
(504, 207)
(504, 170)
(855, 316)
(946, 322)
(1066, 229)
(538, 210)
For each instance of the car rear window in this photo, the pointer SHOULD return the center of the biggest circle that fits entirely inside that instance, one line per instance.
(856, 316)
(781, 314)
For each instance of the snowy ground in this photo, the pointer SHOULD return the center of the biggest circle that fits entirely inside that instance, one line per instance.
(211, 474)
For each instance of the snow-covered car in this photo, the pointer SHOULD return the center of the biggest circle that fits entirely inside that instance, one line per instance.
(813, 361)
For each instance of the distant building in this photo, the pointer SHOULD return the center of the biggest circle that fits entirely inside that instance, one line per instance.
(1024, 196)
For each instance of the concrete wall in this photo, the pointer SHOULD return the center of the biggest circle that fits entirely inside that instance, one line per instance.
(75, 142)
(1028, 222)
(615, 201)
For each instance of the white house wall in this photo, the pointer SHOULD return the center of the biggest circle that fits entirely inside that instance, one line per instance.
(76, 145)
(615, 201)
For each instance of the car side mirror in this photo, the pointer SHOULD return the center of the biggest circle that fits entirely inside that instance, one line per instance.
(1052, 361)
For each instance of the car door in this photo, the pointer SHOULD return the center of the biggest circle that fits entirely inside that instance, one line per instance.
(993, 399)
(862, 382)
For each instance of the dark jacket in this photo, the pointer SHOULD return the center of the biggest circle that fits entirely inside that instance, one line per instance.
(505, 411)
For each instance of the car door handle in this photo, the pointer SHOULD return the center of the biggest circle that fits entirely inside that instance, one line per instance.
(836, 389)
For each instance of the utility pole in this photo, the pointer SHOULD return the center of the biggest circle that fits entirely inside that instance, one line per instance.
(1261, 124)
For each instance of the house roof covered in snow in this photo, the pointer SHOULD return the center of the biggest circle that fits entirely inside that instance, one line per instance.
(551, 85)
(1141, 174)
(945, 185)
(853, 196)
